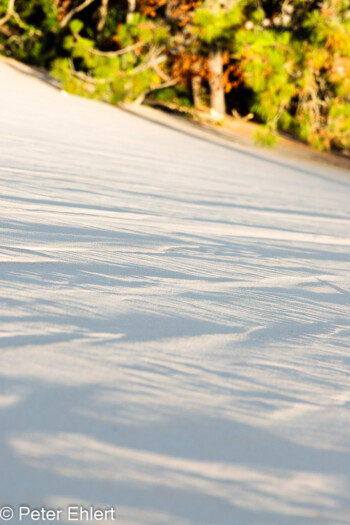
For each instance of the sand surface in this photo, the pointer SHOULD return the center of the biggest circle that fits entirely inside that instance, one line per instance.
(174, 320)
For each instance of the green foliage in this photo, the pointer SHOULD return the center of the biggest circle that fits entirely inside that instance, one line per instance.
(268, 64)
(76, 26)
(266, 137)
(215, 26)
(113, 76)
(300, 73)
(179, 95)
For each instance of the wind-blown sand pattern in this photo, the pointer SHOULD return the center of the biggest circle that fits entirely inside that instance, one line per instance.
(174, 320)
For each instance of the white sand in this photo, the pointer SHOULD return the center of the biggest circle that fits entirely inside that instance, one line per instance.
(174, 320)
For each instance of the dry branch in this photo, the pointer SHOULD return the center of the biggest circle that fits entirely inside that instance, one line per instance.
(118, 52)
(73, 11)
(103, 15)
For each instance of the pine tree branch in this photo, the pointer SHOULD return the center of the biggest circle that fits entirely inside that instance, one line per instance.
(149, 90)
(12, 13)
(117, 53)
(9, 12)
(73, 11)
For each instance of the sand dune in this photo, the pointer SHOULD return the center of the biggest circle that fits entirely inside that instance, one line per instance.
(174, 320)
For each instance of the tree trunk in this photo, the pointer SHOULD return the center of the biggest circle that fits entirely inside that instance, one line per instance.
(131, 10)
(103, 15)
(217, 91)
(196, 83)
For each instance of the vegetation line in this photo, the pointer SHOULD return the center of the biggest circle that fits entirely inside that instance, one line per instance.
(284, 62)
